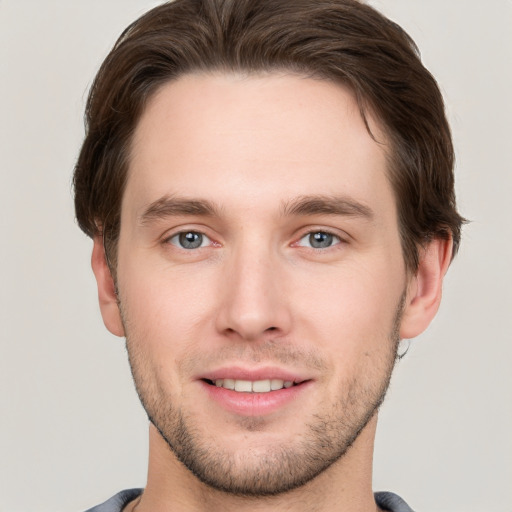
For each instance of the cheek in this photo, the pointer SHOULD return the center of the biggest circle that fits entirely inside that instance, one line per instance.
(351, 321)
(166, 309)
(354, 309)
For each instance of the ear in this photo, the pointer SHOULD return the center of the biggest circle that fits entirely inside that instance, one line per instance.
(425, 288)
(106, 289)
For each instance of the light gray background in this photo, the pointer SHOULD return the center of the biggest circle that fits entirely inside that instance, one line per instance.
(72, 432)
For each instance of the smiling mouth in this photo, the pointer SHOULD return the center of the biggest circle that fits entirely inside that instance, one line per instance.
(252, 386)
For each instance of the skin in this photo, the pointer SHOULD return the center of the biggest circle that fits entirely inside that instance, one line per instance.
(255, 295)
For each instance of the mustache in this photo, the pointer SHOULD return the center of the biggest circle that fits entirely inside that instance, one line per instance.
(269, 351)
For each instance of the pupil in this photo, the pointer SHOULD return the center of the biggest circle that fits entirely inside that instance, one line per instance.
(191, 240)
(320, 240)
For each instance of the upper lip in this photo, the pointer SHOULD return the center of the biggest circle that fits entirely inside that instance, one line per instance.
(253, 374)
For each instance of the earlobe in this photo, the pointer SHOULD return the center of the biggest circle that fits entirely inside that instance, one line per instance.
(425, 288)
(106, 289)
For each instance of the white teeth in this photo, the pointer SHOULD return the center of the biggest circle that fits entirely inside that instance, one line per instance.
(229, 384)
(257, 386)
(261, 386)
(243, 385)
(276, 384)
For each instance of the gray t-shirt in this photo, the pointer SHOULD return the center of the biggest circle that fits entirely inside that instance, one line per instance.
(385, 500)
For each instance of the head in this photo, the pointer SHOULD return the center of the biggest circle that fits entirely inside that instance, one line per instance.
(271, 183)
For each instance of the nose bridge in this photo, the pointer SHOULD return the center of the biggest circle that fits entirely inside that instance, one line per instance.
(253, 303)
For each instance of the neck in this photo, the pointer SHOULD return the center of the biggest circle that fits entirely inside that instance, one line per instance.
(345, 485)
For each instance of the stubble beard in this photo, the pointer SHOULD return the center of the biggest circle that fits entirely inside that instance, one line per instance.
(326, 439)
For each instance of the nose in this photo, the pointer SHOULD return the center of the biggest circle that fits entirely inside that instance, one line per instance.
(254, 301)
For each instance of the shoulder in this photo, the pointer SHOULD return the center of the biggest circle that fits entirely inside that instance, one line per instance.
(386, 500)
(117, 502)
(391, 502)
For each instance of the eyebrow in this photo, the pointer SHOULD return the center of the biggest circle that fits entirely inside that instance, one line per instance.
(327, 205)
(169, 206)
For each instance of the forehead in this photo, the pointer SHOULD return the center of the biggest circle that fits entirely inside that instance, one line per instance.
(244, 138)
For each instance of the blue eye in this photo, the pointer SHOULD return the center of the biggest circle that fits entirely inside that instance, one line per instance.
(190, 240)
(319, 240)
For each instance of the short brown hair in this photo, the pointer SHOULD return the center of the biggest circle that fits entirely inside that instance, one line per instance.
(344, 41)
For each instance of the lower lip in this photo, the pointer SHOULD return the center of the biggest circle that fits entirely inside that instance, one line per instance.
(254, 404)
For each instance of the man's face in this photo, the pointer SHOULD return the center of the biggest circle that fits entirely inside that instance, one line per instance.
(259, 250)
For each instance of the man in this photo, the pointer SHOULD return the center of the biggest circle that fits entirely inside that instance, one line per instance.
(269, 188)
